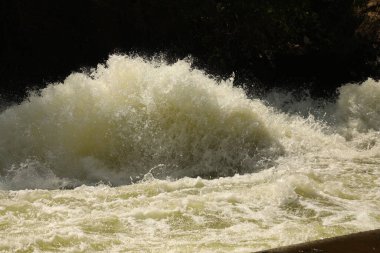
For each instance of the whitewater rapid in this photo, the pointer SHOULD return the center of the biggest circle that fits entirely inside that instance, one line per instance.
(143, 156)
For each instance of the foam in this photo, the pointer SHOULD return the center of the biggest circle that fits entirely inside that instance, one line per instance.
(129, 116)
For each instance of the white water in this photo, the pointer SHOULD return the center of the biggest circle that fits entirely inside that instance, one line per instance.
(308, 169)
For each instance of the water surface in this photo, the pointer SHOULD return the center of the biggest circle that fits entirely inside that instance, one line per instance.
(142, 156)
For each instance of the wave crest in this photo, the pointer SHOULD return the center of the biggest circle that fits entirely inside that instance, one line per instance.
(131, 115)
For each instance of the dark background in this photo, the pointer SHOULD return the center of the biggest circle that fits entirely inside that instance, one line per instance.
(320, 44)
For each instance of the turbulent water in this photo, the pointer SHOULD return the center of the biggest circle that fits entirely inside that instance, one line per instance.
(144, 156)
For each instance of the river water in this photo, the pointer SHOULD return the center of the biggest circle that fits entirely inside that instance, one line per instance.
(145, 156)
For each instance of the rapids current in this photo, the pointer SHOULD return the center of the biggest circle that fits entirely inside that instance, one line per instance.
(145, 156)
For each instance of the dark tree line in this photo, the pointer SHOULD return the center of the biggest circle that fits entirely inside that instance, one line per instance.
(287, 43)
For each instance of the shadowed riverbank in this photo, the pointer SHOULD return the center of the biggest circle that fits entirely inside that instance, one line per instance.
(287, 44)
(363, 242)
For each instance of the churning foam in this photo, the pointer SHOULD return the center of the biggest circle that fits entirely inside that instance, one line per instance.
(359, 107)
(131, 116)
